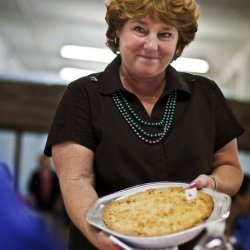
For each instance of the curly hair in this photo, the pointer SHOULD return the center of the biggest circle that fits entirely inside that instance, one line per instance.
(181, 14)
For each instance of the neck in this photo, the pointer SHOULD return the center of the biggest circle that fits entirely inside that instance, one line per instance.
(144, 89)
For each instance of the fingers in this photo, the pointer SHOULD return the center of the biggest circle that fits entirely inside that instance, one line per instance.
(117, 247)
(105, 243)
(205, 181)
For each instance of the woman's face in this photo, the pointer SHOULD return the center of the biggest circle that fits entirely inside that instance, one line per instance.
(147, 46)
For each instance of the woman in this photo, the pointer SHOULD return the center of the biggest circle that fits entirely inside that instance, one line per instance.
(44, 190)
(140, 120)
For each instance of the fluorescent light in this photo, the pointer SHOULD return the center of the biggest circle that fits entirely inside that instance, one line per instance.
(191, 65)
(87, 53)
(71, 74)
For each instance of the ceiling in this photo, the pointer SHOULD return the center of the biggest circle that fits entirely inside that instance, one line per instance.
(33, 31)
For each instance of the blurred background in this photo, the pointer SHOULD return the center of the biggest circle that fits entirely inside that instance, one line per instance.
(40, 55)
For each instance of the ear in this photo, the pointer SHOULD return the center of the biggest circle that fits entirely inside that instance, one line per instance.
(117, 33)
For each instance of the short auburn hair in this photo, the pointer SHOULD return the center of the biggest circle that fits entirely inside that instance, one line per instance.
(181, 14)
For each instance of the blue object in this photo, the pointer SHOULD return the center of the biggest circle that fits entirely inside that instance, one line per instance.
(242, 231)
(20, 228)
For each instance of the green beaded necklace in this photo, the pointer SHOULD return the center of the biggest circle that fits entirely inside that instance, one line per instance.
(139, 126)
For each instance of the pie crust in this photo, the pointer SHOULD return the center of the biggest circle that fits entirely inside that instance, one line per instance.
(157, 211)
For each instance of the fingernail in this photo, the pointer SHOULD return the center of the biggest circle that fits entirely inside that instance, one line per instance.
(192, 184)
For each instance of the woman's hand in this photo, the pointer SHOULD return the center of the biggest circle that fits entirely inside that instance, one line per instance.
(206, 181)
(103, 242)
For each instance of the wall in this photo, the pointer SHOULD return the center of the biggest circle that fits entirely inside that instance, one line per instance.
(9, 62)
(236, 75)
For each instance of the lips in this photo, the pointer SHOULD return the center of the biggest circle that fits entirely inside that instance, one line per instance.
(149, 57)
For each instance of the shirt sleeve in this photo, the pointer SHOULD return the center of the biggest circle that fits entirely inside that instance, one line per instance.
(227, 126)
(72, 120)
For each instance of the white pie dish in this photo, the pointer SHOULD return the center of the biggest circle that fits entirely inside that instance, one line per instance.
(220, 212)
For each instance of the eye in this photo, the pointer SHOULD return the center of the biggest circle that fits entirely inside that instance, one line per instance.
(165, 35)
(139, 30)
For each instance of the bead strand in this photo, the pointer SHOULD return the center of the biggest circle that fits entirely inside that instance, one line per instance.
(127, 112)
(158, 123)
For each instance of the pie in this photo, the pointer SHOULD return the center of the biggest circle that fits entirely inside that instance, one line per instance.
(157, 211)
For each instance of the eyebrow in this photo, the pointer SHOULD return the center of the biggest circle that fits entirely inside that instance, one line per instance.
(140, 21)
(137, 20)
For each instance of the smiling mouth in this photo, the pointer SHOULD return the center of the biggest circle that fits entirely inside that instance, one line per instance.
(150, 57)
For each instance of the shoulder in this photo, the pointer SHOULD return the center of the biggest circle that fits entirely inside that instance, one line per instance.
(202, 83)
(83, 87)
(198, 79)
(90, 81)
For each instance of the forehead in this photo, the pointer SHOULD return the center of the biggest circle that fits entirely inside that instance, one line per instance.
(149, 20)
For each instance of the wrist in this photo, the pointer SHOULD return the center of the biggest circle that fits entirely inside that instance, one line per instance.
(215, 184)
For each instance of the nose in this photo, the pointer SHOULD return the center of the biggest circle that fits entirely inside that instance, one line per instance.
(151, 42)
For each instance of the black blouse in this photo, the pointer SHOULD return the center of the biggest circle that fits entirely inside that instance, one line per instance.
(203, 123)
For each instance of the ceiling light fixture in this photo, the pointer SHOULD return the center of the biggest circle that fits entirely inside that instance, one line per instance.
(192, 65)
(87, 53)
(71, 74)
